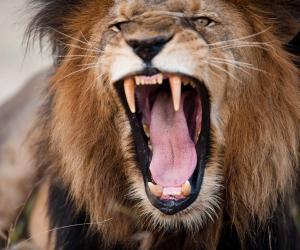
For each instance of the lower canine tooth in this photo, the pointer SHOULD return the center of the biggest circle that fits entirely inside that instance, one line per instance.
(193, 85)
(186, 188)
(156, 190)
(146, 130)
(129, 93)
(197, 135)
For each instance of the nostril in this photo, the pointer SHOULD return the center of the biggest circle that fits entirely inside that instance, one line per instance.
(147, 49)
(133, 43)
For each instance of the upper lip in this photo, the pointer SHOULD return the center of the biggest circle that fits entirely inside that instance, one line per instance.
(126, 92)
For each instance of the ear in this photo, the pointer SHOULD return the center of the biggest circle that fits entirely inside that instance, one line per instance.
(294, 45)
(287, 17)
(288, 13)
(49, 21)
(55, 18)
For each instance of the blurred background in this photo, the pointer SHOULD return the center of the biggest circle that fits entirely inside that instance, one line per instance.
(17, 64)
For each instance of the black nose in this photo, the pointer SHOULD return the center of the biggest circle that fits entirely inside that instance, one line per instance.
(149, 48)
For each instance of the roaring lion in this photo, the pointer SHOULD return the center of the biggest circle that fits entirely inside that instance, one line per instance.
(164, 124)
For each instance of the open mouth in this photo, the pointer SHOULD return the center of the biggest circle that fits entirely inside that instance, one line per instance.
(170, 119)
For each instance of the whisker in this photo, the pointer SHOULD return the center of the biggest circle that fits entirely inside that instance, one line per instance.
(95, 81)
(233, 65)
(229, 60)
(69, 59)
(73, 38)
(81, 48)
(75, 72)
(242, 46)
(245, 45)
(66, 59)
(88, 64)
(84, 37)
(14, 225)
(223, 70)
(65, 227)
(217, 75)
(241, 38)
(69, 56)
(250, 43)
(237, 64)
(98, 77)
(238, 46)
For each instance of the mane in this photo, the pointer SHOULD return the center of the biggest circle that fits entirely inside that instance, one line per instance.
(261, 154)
(55, 18)
(262, 146)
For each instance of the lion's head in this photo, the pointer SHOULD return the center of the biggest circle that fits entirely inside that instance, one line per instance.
(169, 114)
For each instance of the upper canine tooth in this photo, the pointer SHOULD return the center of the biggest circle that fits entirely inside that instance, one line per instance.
(175, 84)
(186, 188)
(156, 190)
(129, 93)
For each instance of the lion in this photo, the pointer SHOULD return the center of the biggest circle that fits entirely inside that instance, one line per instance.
(166, 124)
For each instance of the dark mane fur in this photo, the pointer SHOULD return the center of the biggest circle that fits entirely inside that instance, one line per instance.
(50, 20)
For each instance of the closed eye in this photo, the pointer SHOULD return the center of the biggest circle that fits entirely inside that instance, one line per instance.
(117, 26)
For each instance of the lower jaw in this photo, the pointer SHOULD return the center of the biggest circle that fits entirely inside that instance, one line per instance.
(172, 206)
(143, 153)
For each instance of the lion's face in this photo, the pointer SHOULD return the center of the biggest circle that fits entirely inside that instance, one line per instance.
(171, 110)
(171, 63)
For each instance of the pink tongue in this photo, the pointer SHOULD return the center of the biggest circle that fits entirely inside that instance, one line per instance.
(174, 154)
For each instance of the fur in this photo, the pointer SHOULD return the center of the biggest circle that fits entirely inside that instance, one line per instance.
(86, 147)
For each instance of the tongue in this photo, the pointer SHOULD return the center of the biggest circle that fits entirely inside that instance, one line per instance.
(174, 154)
